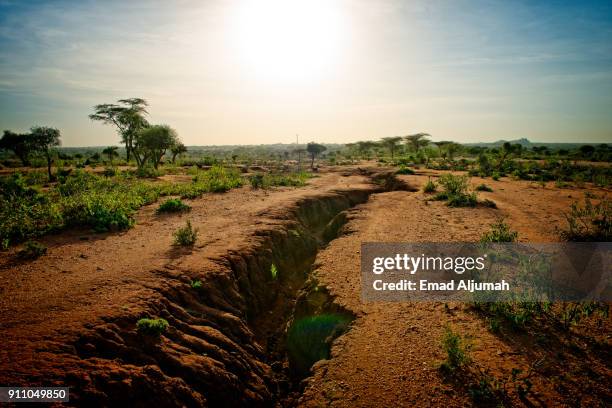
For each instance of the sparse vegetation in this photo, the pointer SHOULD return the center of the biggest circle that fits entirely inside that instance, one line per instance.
(152, 327)
(499, 232)
(483, 187)
(404, 170)
(173, 205)
(589, 222)
(186, 236)
(429, 187)
(456, 348)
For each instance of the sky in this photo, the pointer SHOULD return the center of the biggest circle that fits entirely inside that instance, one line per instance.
(335, 71)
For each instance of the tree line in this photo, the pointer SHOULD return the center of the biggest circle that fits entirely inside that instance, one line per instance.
(144, 142)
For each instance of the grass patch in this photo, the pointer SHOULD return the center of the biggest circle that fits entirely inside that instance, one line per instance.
(172, 205)
(186, 236)
(279, 180)
(152, 327)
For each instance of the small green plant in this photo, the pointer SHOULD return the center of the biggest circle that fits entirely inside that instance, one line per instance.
(32, 250)
(456, 348)
(173, 205)
(483, 187)
(186, 236)
(196, 285)
(152, 327)
(499, 232)
(495, 176)
(274, 271)
(430, 186)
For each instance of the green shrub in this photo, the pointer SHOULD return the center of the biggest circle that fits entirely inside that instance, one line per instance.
(591, 222)
(152, 327)
(457, 350)
(32, 250)
(186, 236)
(173, 205)
(454, 185)
(274, 272)
(257, 181)
(483, 187)
(499, 232)
(495, 176)
(429, 187)
(196, 284)
(462, 200)
(404, 170)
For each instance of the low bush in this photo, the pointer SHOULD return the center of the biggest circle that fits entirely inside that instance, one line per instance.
(172, 205)
(462, 200)
(186, 236)
(499, 232)
(590, 222)
(404, 170)
(152, 327)
(483, 187)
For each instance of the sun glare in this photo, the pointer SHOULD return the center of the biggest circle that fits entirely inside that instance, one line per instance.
(288, 39)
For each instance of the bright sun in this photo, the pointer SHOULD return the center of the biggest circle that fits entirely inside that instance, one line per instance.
(288, 39)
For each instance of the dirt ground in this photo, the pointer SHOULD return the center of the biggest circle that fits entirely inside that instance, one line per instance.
(91, 282)
(392, 354)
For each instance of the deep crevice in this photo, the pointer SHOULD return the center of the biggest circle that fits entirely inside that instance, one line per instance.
(247, 336)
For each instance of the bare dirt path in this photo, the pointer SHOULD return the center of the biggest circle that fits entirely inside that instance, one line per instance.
(391, 355)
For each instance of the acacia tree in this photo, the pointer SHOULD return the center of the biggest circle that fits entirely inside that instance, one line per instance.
(152, 143)
(20, 144)
(314, 149)
(178, 149)
(417, 141)
(391, 143)
(365, 147)
(128, 115)
(44, 139)
(111, 152)
(448, 149)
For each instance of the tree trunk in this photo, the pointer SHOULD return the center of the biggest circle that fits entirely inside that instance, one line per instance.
(49, 165)
(312, 157)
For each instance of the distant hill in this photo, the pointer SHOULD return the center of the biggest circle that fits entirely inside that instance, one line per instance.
(528, 144)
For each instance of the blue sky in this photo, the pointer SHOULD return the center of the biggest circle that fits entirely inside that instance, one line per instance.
(248, 72)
